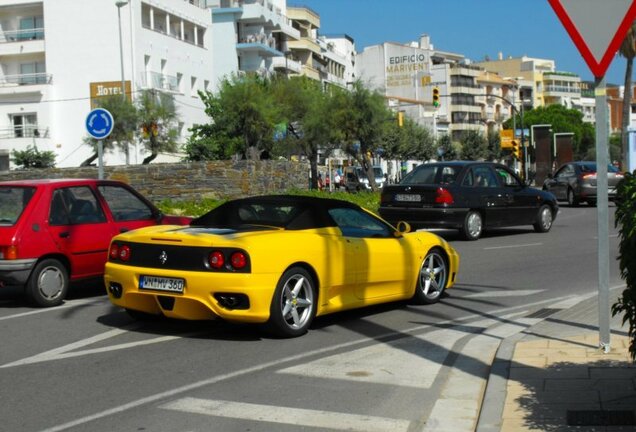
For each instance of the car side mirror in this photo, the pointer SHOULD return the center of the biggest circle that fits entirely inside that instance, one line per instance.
(402, 228)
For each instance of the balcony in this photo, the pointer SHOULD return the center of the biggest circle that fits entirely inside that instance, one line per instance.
(22, 35)
(157, 81)
(292, 66)
(28, 131)
(306, 44)
(24, 83)
(259, 43)
(310, 72)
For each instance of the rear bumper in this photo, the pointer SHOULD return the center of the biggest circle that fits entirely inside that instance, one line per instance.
(589, 192)
(425, 217)
(197, 302)
(16, 272)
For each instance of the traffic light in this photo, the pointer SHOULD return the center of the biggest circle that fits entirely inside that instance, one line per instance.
(400, 118)
(435, 97)
(516, 149)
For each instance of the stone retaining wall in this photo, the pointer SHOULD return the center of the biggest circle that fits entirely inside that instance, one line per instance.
(190, 180)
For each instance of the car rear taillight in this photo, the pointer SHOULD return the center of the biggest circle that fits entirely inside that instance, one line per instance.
(114, 251)
(124, 253)
(9, 252)
(443, 196)
(238, 260)
(216, 259)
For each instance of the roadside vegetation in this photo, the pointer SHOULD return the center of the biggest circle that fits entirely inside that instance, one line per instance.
(626, 221)
(368, 200)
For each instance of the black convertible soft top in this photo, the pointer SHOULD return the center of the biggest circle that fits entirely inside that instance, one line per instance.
(292, 212)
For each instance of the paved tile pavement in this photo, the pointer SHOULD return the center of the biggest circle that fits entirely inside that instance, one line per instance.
(553, 376)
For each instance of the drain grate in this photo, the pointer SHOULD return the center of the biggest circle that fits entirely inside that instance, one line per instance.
(601, 418)
(543, 313)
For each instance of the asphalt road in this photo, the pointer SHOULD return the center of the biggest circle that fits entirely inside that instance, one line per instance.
(86, 366)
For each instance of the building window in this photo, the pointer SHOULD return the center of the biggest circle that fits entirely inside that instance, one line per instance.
(31, 28)
(25, 125)
(193, 86)
(32, 73)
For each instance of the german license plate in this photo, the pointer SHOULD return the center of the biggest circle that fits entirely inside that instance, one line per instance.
(408, 197)
(161, 284)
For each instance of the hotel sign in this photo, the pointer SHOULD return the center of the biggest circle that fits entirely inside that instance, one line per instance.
(107, 88)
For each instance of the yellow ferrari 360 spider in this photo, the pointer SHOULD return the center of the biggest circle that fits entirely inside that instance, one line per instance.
(279, 260)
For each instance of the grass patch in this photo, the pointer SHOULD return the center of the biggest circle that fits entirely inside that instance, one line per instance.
(368, 200)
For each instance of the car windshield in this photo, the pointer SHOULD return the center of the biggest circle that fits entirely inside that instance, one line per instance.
(591, 168)
(432, 174)
(13, 200)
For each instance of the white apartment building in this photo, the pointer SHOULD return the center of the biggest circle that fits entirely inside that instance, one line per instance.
(407, 74)
(252, 36)
(343, 57)
(267, 37)
(51, 69)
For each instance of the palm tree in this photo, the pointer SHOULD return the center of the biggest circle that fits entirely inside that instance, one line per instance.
(627, 50)
(158, 119)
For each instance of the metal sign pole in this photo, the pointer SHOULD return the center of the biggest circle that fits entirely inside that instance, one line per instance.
(602, 133)
(100, 160)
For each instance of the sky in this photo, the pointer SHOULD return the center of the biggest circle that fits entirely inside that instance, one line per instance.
(474, 28)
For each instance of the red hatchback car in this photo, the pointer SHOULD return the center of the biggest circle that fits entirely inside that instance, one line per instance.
(53, 232)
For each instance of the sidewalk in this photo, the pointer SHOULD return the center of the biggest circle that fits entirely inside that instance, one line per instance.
(553, 377)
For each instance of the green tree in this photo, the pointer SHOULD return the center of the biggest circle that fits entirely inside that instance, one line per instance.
(158, 123)
(627, 50)
(449, 150)
(410, 141)
(307, 111)
(363, 114)
(33, 158)
(494, 145)
(125, 118)
(474, 146)
(243, 118)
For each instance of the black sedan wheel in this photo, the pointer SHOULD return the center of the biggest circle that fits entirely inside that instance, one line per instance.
(544, 219)
(48, 284)
(572, 199)
(473, 226)
(293, 307)
(432, 278)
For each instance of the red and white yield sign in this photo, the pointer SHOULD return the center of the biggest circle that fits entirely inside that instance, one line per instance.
(597, 28)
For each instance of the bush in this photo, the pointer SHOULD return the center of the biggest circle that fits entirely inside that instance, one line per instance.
(626, 218)
(33, 158)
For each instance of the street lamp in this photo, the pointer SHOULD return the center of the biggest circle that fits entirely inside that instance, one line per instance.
(120, 4)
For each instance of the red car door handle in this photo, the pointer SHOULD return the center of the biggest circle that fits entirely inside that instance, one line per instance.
(123, 230)
(65, 234)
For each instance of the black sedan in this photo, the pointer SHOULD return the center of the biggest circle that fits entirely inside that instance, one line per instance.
(575, 182)
(469, 196)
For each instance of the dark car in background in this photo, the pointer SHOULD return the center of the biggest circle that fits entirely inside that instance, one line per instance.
(575, 182)
(56, 231)
(468, 196)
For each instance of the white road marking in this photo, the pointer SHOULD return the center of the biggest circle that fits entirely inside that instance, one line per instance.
(513, 246)
(384, 363)
(65, 351)
(66, 305)
(286, 415)
(504, 293)
(263, 366)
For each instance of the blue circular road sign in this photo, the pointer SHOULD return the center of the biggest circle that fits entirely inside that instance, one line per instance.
(99, 123)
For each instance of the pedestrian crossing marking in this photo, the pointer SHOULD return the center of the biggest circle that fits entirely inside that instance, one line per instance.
(326, 420)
